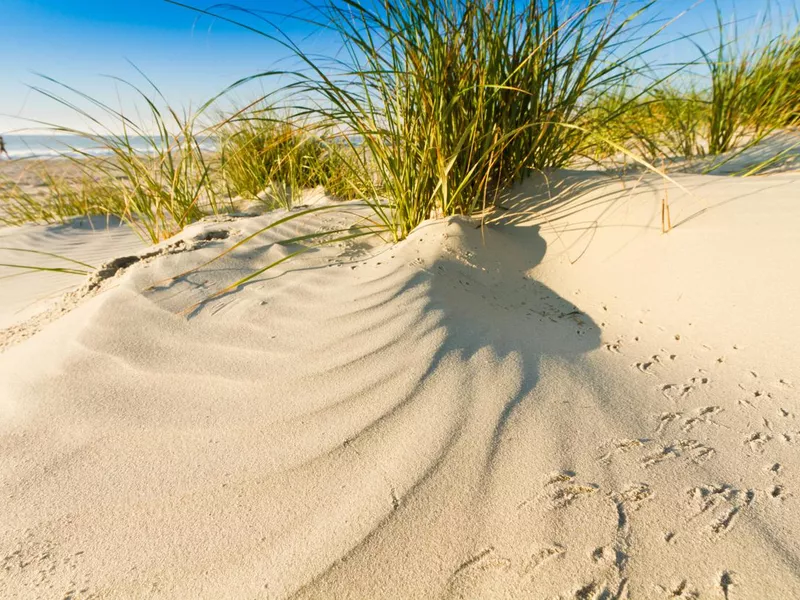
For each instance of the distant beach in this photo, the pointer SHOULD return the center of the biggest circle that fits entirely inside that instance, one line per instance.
(32, 146)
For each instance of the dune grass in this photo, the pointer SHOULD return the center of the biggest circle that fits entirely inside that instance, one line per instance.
(743, 87)
(185, 171)
(753, 91)
(58, 198)
(266, 159)
(272, 157)
(654, 122)
(450, 101)
(157, 190)
(431, 109)
(428, 109)
(741, 97)
(442, 104)
(750, 91)
(672, 124)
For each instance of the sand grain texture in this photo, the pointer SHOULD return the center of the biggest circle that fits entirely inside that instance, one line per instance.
(567, 405)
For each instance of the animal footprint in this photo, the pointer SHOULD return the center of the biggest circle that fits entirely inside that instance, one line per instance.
(562, 489)
(681, 590)
(675, 392)
(778, 492)
(645, 367)
(592, 590)
(621, 447)
(566, 495)
(705, 497)
(723, 502)
(745, 402)
(725, 522)
(665, 419)
(725, 584)
(691, 450)
(791, 437)
(603, 554)
(635, 494)
(702, 416)
(490, 567)
(561, 477)
(757, 440)
(666, 453)
(541, 556)
(485, 562)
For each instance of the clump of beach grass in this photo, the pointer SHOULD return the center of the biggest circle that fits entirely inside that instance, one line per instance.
(741, 89)
(660, 120)
(157, 189)
(57, 198)
(446, 102)
(670, 123)
(271, 157)
(433, 108)
(751, 89)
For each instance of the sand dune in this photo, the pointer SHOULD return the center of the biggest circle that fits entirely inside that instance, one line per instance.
(92, 241)
(561, 405)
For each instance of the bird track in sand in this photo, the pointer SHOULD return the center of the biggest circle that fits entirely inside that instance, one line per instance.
(706, 419)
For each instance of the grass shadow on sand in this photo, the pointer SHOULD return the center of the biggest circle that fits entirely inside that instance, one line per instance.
(475, 317)
(487, 299)
(495, 324)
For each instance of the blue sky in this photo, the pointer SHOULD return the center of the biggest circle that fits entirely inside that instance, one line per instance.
(190, 58)
(79, 41)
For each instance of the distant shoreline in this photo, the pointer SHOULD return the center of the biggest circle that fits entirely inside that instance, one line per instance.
(44, 147)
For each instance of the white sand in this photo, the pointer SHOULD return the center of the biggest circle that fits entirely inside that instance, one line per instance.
(92, 241)
(569, 407)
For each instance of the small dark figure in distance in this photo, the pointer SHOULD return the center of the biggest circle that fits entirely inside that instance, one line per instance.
(3, 148)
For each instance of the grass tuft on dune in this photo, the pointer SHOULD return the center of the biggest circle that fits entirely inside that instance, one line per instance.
(454, 101)
(430, 109)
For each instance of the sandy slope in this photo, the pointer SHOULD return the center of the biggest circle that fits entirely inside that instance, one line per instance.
(92, 241)
(573, 406)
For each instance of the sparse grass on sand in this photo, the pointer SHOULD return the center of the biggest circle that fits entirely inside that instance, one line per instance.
(56, 197)
(435, 109)
(748, 91)
(453, 101)
(157, 192)
(269, 157)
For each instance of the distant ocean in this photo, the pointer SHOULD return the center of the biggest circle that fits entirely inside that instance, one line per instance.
(51, 146)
